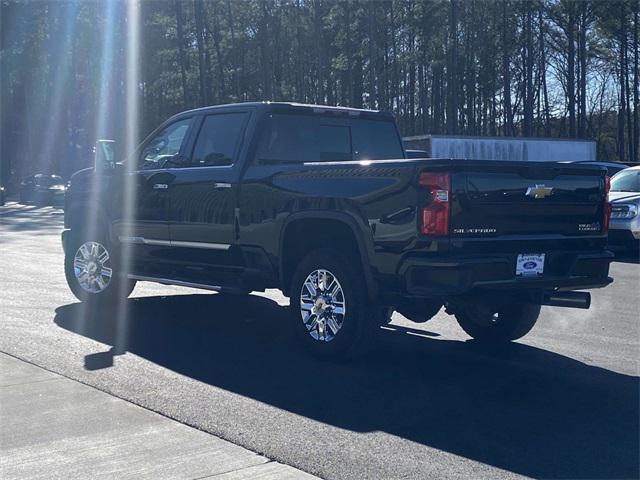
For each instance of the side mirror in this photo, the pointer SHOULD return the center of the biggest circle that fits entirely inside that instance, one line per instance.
(104, 156)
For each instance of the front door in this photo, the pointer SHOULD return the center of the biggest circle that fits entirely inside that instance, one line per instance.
(144, 223)
(203, 200)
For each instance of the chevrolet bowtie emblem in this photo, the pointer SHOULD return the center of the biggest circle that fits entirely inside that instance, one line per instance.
(539, 191)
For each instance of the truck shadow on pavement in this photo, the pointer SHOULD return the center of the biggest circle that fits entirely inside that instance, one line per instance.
(518, 408)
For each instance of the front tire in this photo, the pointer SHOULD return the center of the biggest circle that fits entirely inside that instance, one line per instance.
(92, 269)
(498, 325)
(329, 311)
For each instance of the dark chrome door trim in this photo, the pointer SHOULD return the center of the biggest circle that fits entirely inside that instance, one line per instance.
(144, 241)
(211, 246)
(174, 243)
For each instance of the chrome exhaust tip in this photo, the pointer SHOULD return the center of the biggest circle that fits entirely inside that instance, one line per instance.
(568, 299)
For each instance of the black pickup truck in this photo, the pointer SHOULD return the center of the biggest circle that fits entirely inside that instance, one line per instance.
(323, 203)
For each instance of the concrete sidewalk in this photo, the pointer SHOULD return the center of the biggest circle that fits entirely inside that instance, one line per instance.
(54, 427)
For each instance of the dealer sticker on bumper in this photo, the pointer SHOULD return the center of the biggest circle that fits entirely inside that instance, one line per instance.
(530, 264)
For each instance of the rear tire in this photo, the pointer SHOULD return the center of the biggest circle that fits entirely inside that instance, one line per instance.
(330, 315)
(92, 269)
(498, 325)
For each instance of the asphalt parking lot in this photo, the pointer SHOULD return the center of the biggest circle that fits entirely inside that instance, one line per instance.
(561, 403)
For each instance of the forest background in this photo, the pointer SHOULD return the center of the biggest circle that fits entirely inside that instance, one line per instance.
(533, 68)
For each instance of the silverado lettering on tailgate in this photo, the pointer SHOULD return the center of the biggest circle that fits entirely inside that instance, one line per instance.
(462, 231)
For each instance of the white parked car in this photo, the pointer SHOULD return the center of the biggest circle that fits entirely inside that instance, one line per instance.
(624, 229)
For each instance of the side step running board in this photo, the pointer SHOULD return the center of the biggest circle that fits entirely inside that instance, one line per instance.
(179, 283)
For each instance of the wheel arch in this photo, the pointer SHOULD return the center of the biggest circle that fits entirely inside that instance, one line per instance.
(80, 216)
(338, 229)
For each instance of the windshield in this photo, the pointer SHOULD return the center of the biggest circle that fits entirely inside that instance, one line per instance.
(626, 181)
(48, 180)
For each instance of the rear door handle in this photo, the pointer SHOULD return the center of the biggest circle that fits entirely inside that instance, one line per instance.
(221, 185)
(160, 186)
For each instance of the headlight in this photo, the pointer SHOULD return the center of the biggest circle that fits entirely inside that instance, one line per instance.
(624, 210)
(58, 187)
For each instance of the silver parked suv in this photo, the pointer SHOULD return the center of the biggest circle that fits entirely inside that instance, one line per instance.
(624, 230)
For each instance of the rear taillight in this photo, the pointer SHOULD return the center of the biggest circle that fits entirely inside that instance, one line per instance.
(606, 206)
(435, 216)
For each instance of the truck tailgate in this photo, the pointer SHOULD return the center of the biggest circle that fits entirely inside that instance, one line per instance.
(515, 199)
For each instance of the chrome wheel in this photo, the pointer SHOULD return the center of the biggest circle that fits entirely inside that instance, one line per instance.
(322, 305)
(92, 267)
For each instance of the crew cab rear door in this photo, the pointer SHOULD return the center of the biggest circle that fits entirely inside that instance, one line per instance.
(203, 199)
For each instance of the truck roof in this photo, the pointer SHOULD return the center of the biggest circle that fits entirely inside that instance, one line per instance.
(266, 106)
(439, 136)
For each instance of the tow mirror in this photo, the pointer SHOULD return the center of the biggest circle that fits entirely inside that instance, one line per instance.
(104, 156)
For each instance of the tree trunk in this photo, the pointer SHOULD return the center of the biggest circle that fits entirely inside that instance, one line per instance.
(373, 99)
(571, 69)
(181, 53)
(452, 84)
(358, 88)
(319, 41)
(543, 74)
(506, 74)
(197, 12)
(627, 88)
(215, 36)
(264, 52)
(621, 70)
(528, 90)
(470, 93)
(422, 85)
(437, 105)
(236, 83)
(395, 82)
(349, 47)
(636, 81)
(582, 83)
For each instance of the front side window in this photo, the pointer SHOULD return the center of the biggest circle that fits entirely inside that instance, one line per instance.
(219, 139)
(165, 145)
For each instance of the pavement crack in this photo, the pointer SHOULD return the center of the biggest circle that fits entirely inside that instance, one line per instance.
(28, 383)
(267, 461)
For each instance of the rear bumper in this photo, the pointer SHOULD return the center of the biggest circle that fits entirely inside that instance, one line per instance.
(458, 275)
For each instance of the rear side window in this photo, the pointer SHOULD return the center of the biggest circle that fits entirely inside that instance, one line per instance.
(304, 138)
(219, 140)
(376, 140)
(309, 138)
(332, 142)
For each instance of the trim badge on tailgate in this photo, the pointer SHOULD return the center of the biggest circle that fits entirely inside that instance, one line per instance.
(462, 231)
(539, 191)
